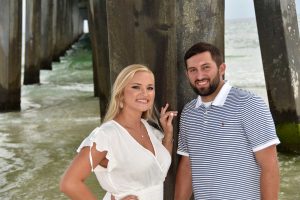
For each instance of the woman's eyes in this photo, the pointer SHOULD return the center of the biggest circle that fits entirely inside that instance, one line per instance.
(137, 87)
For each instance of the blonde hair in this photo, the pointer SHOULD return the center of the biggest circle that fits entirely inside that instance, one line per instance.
(117, 92)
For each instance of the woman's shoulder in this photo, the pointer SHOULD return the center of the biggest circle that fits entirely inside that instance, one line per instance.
(108, 124)
(108, 127)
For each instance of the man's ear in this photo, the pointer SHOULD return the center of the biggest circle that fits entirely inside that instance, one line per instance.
(222, 69)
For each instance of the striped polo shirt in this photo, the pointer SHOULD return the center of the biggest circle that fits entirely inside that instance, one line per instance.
(220, 140)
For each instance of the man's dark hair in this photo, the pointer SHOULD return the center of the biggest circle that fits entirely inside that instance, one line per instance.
(201, 47)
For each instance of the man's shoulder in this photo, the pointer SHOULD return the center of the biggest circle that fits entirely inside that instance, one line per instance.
(241, 94)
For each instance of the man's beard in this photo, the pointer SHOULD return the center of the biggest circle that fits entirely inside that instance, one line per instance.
(207, 91)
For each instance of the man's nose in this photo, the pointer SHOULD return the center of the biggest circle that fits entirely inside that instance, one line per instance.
(200, 75)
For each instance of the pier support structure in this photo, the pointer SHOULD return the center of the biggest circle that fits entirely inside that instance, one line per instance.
(32, 42)
(280, 48)
(10, 54)
(46, 34)
(97, 17)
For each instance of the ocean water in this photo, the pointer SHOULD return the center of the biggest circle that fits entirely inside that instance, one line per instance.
(38, 143)
(243, 56)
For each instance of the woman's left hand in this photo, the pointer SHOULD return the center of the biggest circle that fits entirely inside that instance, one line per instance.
(165, 119)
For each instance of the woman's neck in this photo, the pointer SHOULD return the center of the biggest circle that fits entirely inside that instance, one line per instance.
(129, 119)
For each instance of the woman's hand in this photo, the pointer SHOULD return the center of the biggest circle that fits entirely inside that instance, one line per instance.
(165, 119)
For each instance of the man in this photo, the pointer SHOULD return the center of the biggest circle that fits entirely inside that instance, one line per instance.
(227, 137)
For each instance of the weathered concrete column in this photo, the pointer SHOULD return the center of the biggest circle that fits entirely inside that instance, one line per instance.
(58, 24)
(280, 49)
(10, 54)
(32, 42)
(55, 56)
(68, 36)
(99, 40)
(77, 20)
(46, 34)
(144, 32)
(197, 21)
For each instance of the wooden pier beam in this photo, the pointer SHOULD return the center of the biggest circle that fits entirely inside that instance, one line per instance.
(32, 42)
(10, 54)
(280, 49)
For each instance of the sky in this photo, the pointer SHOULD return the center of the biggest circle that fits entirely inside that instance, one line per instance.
(244, 8)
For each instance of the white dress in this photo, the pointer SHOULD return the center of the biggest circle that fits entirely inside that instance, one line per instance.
(132, 169)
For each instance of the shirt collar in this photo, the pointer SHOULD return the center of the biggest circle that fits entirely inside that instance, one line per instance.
(220, 98)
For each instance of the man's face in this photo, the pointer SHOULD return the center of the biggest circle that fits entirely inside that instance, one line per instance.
(204, 75)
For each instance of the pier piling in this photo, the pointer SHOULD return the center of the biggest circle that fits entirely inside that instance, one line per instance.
(10, 54)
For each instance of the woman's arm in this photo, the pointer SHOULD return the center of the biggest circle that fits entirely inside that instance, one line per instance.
(72, 182)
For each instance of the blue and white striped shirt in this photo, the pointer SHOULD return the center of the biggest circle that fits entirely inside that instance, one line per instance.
(220, 141)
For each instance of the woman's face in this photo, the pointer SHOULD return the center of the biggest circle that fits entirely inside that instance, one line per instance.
(139, 93)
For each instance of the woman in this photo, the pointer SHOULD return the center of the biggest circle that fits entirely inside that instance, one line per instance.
(129, 157)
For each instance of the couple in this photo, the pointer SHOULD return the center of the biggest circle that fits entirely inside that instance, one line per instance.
(226, 138)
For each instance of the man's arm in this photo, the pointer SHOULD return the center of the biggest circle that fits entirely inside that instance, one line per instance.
(270, 178)
(183, 186)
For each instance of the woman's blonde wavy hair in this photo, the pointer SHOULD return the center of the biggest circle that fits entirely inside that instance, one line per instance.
(117, 92)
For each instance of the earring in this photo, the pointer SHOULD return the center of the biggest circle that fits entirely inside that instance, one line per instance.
(121, 105)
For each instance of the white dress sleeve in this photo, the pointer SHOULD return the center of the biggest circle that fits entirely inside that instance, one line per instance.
(97, 136)
(100, 138)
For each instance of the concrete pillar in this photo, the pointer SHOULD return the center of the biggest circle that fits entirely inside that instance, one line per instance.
(99, 40)
(144, 32)
(77, 21)
(32, 42)
(68, 25)
(46, 34)
(197, 21)
(157, 33)
(10, 54)
(280, 49)
(55, 56)
(59, 23)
